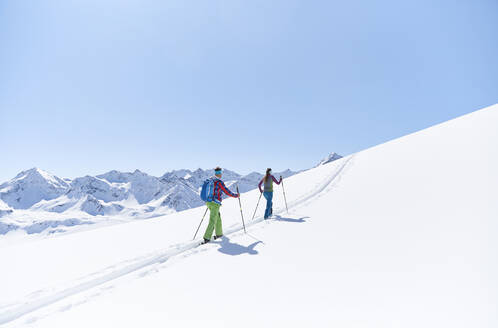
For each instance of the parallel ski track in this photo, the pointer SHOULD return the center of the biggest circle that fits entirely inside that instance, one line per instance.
(93, 280)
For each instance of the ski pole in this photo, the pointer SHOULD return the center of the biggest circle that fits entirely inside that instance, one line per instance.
(256, 206)
(200, 223)
(285, 198)
(240, 205)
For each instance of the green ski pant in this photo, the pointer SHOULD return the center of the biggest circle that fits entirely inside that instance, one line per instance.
(214, 220)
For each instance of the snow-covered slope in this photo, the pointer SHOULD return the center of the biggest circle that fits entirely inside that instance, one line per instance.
(382, 238)
(4, 209)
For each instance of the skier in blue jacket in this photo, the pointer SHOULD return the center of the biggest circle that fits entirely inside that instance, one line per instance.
(214, 206)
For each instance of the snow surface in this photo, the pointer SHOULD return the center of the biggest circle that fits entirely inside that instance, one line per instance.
(382, 238)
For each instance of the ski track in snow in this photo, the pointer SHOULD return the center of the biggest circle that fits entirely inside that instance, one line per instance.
(43, 298)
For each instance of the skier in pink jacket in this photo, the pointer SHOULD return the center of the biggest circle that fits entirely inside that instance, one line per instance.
(268, 180)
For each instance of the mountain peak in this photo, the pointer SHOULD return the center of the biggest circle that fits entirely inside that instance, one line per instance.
(330, 158)
(31, 172)
(36, 174)
(31, 186)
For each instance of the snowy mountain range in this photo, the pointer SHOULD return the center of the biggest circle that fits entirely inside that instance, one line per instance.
(36, 200)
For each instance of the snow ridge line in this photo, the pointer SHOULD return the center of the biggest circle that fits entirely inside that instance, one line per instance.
(31, 306)
(323, 186)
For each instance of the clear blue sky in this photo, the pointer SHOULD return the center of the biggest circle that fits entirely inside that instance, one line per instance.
(89, 86)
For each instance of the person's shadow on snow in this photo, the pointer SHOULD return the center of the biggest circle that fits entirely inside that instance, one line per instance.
(300, 220)
(236, 249)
